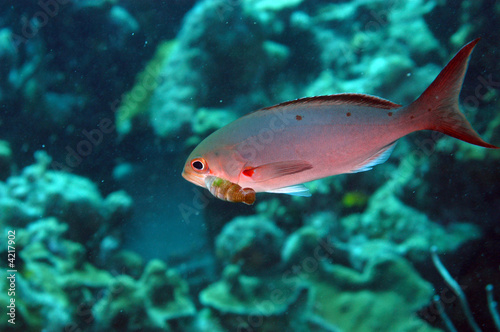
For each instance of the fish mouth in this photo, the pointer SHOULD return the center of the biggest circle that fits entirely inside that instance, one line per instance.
(197, 179)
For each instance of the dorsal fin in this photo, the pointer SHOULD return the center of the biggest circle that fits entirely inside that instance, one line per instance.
(357, 99)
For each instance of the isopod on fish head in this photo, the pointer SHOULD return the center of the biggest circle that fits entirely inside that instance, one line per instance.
(228, 191)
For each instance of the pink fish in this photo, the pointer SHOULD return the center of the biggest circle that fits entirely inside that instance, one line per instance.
(278, 148)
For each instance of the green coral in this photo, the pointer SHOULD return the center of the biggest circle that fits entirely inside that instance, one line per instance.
(237, 298)
(53, 277)
(206, 121)
(57, 289)
(135, 102)
(39, 192)
(384, 297)
(254, 242)
(157, 300)
(388, 225)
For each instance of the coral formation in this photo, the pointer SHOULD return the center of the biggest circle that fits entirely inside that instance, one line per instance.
(53, 276)
(135, 102)
(57, 285)
(39, 193)
(199, 64)
(384, 297)
(243, 302)
(408, 232)
(254, 242)
(158, 300)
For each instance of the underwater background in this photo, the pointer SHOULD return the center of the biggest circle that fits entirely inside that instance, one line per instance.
(101, 102)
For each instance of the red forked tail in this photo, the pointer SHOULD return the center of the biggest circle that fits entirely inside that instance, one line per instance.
(438, 105)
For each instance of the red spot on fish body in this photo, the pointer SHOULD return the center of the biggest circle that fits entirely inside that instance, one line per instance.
(412, 117)
(348, 114)
(298, 117)
(390, 113)
(248, 172)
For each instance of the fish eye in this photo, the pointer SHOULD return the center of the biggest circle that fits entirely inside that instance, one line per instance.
(199, 164)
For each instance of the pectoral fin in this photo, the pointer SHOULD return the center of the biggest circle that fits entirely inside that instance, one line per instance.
(275, 170)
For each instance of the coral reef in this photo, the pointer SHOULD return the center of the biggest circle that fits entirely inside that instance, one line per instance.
(253, 242)
(387, 224)
(134, 103)
(384, 297)
(58, 219)
(57, 288)
(197, 69)
(158, 300)
(40, 193)
(320, 296)
(53, 276)
(243, 302)
(66, 65)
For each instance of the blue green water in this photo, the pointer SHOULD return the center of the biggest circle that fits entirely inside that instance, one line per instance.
(102, 101)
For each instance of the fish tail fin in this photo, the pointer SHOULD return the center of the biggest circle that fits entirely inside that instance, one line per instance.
(438, 105)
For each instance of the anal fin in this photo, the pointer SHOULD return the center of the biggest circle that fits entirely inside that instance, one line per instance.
(295, 190)
(379, 157)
